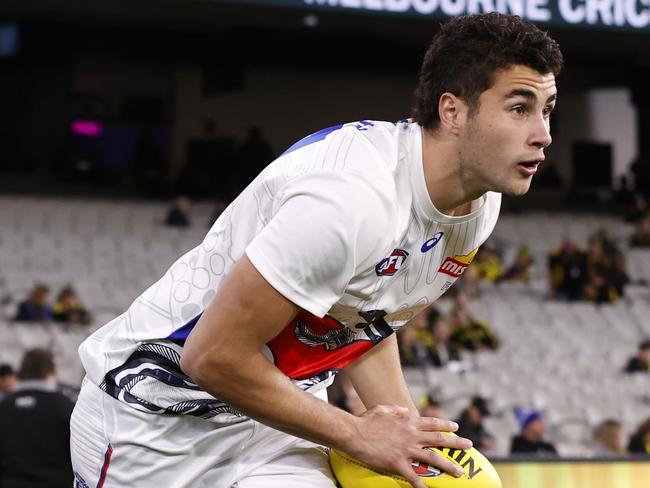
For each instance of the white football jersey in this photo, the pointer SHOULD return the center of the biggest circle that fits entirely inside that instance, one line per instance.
(342, 225)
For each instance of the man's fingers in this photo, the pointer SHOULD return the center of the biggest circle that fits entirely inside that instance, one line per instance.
(432, 423)
(432, 458)
(440, 439)
(410, 475)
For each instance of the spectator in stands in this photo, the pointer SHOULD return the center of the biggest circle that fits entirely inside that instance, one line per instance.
(640, 440)
(487, 264)
(521, 268)
(430, 406)
(8, 380)
(640, 362)
(468, 284)
(567, 272)
(470, 424)
(179, 214)
(609, 439)
(35, 308)
(614, 260)
(609, 245)
(68, 308)
(441, 351)
(416, 342)
(530, 442)
(35, 428)
(621, 278)
(467, 332)
(604, 280)
(641, 236)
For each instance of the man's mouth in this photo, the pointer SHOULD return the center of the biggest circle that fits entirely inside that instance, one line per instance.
(528, 168)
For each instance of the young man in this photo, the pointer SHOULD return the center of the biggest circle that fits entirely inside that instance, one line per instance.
(206, 379)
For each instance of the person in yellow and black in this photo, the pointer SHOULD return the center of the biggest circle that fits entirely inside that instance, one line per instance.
(567, 272)
(467, 332)
(68, 308)
(415, 342)
(520, 270)
(487, 265)
(606, 275)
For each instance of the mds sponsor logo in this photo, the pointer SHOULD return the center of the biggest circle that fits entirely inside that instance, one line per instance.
(456, 266)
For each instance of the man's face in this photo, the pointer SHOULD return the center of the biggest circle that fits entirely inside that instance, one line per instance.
(474, 415)
(503, 143)
(535, 430)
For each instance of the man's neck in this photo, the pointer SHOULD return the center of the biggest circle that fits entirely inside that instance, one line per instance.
(450, 190)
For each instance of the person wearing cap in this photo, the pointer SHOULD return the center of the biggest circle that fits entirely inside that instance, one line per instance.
(470, 424)
(530, 442)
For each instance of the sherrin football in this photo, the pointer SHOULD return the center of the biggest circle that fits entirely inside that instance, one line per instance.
(477, 472)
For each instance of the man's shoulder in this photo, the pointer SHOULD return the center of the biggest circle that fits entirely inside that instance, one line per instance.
(367, 146)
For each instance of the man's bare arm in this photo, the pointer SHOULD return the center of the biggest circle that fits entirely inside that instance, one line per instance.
(223, 355)
(377, 377)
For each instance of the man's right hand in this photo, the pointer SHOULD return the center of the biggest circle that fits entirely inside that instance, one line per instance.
(223, 355)
(389, 438)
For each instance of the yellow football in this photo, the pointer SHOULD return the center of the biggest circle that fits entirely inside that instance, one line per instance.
(478, 472)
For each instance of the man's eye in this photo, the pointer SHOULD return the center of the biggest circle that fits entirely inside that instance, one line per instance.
(519, 110)
(547, 111)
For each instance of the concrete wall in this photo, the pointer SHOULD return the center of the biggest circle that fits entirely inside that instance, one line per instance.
(286, 104)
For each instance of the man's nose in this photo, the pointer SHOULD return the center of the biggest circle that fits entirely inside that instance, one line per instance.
(541, 137)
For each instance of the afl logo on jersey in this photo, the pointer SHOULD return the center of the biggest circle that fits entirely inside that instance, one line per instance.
(430, 244)
(390, 265)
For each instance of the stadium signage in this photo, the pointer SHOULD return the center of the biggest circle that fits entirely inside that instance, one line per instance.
(610, 14)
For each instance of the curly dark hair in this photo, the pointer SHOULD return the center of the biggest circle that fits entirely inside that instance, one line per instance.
(465, 55)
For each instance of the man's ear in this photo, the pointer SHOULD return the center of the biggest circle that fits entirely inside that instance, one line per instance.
(452, 112)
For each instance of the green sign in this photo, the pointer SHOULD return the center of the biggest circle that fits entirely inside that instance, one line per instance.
(612, 14)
